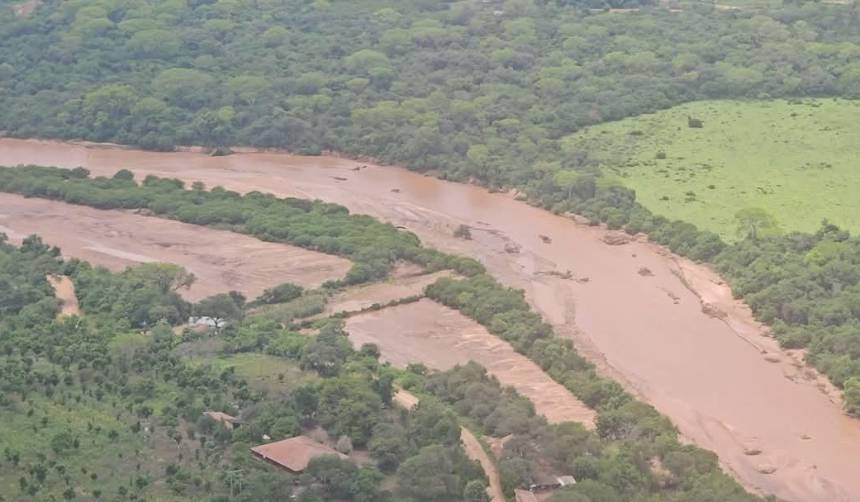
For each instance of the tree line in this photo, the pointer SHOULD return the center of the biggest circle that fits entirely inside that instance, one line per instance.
(637, 433)
(372, 246)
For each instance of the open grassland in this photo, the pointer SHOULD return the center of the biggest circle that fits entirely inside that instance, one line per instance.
(797, 160)
(262, 371)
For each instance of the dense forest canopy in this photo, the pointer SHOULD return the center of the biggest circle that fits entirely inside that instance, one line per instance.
(473, 89)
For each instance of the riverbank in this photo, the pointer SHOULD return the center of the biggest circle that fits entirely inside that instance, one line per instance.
(648, 327)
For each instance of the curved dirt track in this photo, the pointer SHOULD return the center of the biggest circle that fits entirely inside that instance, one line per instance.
(471, 446)
(721, 391)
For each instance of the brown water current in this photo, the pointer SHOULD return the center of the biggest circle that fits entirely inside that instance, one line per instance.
(728, 388)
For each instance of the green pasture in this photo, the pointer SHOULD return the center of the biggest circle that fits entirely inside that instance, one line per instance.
(799, 160)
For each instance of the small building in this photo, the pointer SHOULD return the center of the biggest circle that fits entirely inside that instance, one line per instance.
(547, 483)
(228, 421)
(566, 481)
(293, 454)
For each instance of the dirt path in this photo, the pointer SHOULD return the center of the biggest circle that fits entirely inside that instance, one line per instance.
(221, 261)
(648, 331)
(476, 452)
(64, 289)
(442, 338)
(471, 445)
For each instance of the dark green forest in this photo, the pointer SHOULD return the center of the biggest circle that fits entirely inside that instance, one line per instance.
(480, 90)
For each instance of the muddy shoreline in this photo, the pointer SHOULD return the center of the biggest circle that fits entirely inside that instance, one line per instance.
(648, 331)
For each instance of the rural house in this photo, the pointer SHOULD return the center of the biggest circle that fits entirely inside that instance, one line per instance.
(293, 454)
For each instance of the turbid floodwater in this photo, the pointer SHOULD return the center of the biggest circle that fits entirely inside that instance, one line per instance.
(221, 261)
(725, 386)
(441, 338)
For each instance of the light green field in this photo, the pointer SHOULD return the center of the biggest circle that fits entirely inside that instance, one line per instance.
(262, 371)
(798, 160)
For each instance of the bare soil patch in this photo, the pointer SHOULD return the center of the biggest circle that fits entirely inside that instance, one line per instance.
(24, 9)
(429, 333)
(221, 260)
(64, 290)
(476, 452)
(405, 399)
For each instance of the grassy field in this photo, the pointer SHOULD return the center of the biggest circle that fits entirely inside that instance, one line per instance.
(797, 160)
(265, 372)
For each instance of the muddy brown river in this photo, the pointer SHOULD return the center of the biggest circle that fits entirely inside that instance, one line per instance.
(775, 424)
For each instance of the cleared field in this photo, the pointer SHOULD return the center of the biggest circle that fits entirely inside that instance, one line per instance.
(261, 371)
(429, 333)
(797, 160)
(221, 261)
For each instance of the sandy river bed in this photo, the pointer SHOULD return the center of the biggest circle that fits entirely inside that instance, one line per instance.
(221, 261)
(724, 385)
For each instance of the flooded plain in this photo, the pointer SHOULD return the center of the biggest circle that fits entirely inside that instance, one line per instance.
(221, 261)
(441, 338)
(725, 385)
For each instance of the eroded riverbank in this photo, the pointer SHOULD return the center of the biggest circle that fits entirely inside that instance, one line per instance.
(776, 431)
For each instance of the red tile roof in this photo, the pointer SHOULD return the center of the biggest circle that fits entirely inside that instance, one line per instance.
(295, 453)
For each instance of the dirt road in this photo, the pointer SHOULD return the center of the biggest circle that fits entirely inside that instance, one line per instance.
(362, 297)
(648, 331)
(471, 445)
(476, 452)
